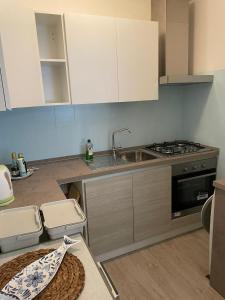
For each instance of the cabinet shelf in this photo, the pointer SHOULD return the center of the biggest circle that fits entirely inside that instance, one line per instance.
(54, 76)
(50, 35)
(51, 42)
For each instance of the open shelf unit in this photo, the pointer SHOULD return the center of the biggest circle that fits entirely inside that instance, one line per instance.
(55, 82)
(53, 59)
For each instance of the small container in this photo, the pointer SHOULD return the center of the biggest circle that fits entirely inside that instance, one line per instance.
(63, 217)
(14, 166)
(22, 166)
(19, 228)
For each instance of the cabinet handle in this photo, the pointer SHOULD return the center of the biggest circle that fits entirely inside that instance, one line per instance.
(196, 177)
(108, 281)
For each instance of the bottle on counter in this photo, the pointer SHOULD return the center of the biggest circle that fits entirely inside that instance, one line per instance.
(14, 166)
(89, 151)
(20, 155)
(22, 164)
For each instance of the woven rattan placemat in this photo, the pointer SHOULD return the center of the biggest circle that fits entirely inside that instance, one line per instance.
(67, 284)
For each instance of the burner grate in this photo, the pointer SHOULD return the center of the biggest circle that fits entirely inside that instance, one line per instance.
(175, 147)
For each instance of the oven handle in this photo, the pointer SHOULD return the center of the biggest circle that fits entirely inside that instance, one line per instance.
(195, 177)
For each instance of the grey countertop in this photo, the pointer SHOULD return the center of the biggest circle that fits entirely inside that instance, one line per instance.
(44, 185)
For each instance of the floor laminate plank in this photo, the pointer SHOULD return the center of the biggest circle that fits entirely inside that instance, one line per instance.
(172, 270)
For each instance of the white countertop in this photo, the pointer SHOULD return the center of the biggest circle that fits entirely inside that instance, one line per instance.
(95, 287)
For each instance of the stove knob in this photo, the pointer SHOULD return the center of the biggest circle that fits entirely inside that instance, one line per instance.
(185, 169)
(203, 166)
(194, 168)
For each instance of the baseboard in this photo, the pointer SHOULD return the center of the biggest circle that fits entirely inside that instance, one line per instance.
(147, 242)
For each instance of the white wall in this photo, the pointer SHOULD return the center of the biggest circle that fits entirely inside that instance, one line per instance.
(139, 9)
(207, 52)
(204, 105)
(204, 118)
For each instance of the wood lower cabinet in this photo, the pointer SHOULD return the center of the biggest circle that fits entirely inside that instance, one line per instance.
(152, 202)
(110, 212)
(186, 221)
(132, 209)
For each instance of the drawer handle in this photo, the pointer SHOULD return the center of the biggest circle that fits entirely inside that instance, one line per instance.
(108, 281)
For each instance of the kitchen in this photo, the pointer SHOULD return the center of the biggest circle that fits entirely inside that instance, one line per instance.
(127, 203)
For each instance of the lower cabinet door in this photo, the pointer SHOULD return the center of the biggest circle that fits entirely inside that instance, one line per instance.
(109, 212)
(152, 202)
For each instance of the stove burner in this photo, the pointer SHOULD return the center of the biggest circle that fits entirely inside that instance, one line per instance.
(176, 147)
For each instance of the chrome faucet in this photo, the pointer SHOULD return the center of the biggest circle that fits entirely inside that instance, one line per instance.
(114, 148)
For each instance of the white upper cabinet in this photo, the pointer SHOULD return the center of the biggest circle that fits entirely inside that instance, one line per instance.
(20, 54)
(137, 49)
(111, 59)
(2, 96)
(91, 46)
(2, 93)
(48, 59)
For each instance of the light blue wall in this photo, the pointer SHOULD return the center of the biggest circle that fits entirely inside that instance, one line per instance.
(57, 131)
(204, 115)
(195, 112)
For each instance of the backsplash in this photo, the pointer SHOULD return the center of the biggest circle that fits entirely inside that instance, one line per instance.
(195, 112)
(47, 132)
(204, 115)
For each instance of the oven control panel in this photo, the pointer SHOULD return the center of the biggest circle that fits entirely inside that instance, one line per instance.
(194, 166)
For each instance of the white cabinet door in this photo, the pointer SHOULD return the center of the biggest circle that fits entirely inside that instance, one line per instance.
(2, 91)
(2, 96)
(20, 54)
(137, 48)
(91, 46)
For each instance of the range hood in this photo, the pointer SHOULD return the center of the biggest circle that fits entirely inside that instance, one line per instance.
(173, 18)
(185, 79)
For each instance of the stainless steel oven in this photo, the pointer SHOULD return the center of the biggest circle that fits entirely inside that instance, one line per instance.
(192, 185)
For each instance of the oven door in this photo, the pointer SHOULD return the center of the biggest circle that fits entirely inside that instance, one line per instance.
(190, 192)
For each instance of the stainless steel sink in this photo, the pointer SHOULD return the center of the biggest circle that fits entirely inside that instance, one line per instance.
(136, 156)
(104, 161)
(122, 158)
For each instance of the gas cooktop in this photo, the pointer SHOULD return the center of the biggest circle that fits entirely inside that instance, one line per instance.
(176, 147)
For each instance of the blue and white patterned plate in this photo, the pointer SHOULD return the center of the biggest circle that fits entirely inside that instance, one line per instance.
(35, 277)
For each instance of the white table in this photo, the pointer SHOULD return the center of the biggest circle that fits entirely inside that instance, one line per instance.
(96, 288)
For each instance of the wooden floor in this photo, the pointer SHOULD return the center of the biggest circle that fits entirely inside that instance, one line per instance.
(174, 269)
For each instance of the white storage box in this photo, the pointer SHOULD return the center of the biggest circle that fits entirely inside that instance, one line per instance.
(19, 228)
(63, 217)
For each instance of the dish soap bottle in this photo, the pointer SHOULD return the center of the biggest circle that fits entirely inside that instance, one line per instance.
(89, 151)
(14, 167)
